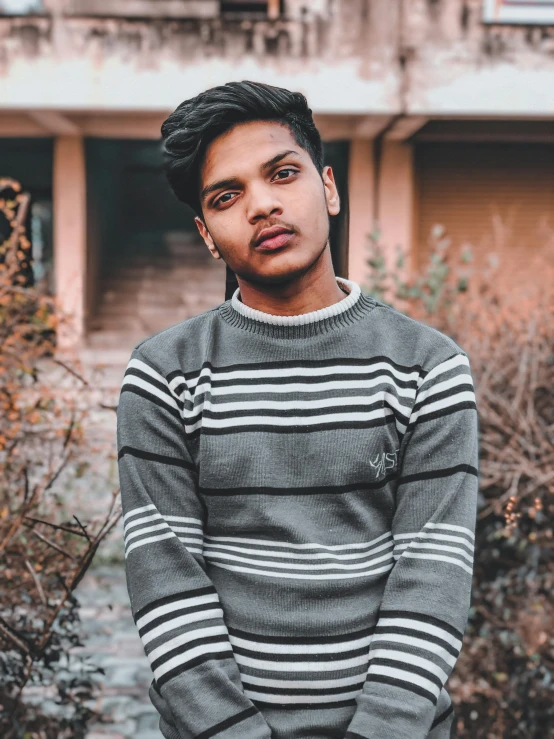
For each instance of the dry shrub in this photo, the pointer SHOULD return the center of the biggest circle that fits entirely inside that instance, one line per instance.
(500, 310)
(44, 549)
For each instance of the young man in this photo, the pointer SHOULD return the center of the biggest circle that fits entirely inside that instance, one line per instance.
(299, 465)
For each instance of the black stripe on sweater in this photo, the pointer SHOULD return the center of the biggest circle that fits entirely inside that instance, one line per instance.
(407, 667)
(152, 398)
(445, 472)
(304, 691)
(467, 404)
(402, 684)
(312, 639)
(429, 638)
(425, 618)
(179, 612)
(443, 716)
(155, 383)
(295, 657)
(207, 590)
(179, 669)
(228, 722)
(152, 457)
(298, 706)
(184, 648)
(305, 364)
(350, 487)
(449, 393)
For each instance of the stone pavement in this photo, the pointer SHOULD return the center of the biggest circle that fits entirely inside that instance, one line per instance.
(112, 642)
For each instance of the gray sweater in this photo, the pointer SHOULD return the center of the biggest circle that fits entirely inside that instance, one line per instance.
(299, 497)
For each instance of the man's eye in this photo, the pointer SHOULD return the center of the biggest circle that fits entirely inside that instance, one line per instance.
(286, 172)
(221, 201)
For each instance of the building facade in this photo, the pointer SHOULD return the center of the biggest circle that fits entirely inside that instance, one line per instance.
(432, 112)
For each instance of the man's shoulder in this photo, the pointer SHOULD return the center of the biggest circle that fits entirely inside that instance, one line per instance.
(415, 339)
(167, 348)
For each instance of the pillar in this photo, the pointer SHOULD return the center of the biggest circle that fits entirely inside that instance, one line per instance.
(396, 202)
(69, 210)
(361, 205)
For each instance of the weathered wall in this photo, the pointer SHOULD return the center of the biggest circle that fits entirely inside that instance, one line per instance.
(116, 63)
(349, 56)
(457, 65)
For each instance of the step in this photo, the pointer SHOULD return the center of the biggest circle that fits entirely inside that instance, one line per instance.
(131, 303)
(161, 265)
(157, 298)
(173, 281)
(151, 321)
(121, 341)
(175, 284)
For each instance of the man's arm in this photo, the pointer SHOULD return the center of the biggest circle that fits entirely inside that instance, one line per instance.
(174, 603)
(426, 600)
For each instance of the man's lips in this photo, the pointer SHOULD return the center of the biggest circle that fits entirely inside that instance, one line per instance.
(273, 238)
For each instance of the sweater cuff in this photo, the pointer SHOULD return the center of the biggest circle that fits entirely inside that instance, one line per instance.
(383, 715)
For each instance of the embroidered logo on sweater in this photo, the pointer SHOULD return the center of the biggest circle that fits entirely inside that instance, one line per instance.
(384, 463)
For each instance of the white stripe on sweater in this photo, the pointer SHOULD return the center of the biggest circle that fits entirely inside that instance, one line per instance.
(424, 626)
(166, 608)
(412, 641)
(393, 672)
(332, 648)
(438, 558)
(306, 576)
(179, 622)
(183, 639)
(309, 682)
(302, 666)
(440, 405)
(409, 659)
(291, 370)
(152, 389)
(446, 366)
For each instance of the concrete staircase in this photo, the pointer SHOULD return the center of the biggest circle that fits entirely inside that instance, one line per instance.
(149, 288)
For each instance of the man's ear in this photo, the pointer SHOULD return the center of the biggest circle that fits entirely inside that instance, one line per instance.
(331, 192)
(203, 230)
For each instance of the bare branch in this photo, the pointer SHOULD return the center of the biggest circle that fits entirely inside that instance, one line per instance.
(37, 582)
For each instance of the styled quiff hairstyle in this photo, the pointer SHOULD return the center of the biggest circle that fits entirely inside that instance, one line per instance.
(189, 130)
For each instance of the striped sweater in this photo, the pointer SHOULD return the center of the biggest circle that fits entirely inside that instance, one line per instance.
(299, 498)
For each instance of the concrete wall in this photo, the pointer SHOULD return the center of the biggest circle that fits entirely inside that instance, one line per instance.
(364, 57)
(129, 64)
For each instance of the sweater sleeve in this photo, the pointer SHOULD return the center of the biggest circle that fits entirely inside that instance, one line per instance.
(426, 600)
(196, 684)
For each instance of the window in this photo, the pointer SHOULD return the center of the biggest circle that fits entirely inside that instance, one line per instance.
(268, 8)
(524, 12)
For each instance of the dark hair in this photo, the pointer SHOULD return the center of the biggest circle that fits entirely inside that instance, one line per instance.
(189, 130)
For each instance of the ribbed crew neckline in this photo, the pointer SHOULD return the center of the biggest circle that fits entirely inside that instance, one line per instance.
(353, 307)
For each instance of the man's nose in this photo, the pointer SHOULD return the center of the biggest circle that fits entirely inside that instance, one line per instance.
(263, 201)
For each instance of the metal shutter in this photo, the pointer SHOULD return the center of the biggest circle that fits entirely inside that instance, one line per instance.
(489, 194)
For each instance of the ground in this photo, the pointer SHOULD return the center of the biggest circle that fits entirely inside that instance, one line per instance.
(113, 643)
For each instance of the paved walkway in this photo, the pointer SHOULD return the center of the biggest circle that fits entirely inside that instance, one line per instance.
(113, 643)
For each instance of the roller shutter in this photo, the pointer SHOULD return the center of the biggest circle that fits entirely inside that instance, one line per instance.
(493, 196)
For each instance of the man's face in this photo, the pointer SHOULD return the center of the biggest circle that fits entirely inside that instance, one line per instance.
(256, 176)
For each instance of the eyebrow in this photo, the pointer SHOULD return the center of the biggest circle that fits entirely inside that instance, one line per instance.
(278, 157)
(232, 181)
